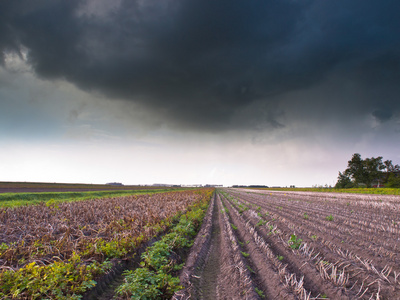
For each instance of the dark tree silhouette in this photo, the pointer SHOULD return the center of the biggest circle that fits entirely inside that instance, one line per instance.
(367, 172)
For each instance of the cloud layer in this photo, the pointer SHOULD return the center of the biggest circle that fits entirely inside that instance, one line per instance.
(217, 65)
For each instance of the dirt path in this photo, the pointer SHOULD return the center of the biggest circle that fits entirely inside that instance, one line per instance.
(209, 274)
(200, 273)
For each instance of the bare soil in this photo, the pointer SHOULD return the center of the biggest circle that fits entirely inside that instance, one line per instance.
(360, 241)
(246, 252)
(209, 274)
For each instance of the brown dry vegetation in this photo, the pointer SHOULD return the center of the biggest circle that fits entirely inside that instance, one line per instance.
(95, 229)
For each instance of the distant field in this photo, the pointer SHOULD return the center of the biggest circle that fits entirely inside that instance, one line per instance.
(18, 194)
(38, 187)
(378, 191)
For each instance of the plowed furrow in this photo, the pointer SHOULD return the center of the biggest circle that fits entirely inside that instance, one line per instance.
(207, 239)
(268, 271)
(295, 265)
(343, 243)
(372, 247)
(233, 272)
(356, 223)
(369, 276)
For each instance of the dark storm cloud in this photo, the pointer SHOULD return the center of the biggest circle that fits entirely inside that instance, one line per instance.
(382, 115)
(200, 63)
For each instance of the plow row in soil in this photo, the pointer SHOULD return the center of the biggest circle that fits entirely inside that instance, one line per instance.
(281, 246)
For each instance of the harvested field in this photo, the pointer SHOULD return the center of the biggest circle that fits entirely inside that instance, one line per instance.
(252, 244)
(38, 187)
(55, 250)
(46, 231)
(258, 244)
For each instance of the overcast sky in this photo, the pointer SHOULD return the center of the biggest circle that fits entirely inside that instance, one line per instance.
(224, 92)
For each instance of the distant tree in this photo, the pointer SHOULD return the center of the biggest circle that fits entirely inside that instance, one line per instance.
(393, 181)
(365, 171)
(389, 169)
(343, 182)
(373, 169)
(355, 169)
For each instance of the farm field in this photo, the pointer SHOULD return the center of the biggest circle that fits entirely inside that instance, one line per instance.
(252, 244)
(258, 244)
(58, 250)
(14, 194)
(39, 187)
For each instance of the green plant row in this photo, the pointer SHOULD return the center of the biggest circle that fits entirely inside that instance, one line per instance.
(19, 199)
(59, 280)
(155, 278)
(68, 279)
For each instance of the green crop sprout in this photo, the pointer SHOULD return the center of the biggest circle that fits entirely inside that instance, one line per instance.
(294, 242)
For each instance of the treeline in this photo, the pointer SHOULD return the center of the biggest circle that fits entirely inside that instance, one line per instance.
(250, 186)
(369, 172)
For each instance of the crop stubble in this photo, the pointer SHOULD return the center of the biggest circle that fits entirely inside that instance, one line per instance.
(350, 255)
